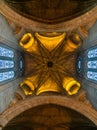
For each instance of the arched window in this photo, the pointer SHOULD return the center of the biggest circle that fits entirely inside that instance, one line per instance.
(4, 64)
(92, 53)
(6, 76)
(92, 64)
(21, 64)
(7, 65)
(79, 65)
(6, 52)
(92, 75)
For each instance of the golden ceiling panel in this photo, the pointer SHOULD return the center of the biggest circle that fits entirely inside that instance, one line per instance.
(29, 43)
(50, 42)
(52, 71)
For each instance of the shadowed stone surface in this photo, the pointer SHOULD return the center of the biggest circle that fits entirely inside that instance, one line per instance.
(51, 11)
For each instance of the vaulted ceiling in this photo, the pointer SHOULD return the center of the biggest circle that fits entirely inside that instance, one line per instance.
(48, 12)
(51, 11)
(50, 117)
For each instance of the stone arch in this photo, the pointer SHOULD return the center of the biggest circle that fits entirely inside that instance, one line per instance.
(82, 20)
(32, 102)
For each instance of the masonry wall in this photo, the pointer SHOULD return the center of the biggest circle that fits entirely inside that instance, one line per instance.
(7, 91)
(91, 40)
(90, 87)
(6, 34)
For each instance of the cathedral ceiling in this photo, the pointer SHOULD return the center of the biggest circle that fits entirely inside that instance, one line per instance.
(50, 66)
(49, 117)
(51, 11)
(49, 16)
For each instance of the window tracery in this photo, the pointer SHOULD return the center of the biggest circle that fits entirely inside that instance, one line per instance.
(6, 64)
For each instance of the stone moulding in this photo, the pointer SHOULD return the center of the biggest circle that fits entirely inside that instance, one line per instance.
(24, 105)
(38, 26)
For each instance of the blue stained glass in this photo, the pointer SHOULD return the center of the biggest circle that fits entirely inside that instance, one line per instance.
(1, 77)
(79, 64)
(92, 64)
(6, 75)
(92, 53)
(6, 64)
(6, 52)
(21, 64)
(11, 74)
(92, 75)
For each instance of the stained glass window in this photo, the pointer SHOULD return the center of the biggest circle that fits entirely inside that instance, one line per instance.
(6, 52)
(6, 75)
(79, 65)
(92, 53)
(92, 64)
(4, 64)
(92, 75)
(21, 64)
